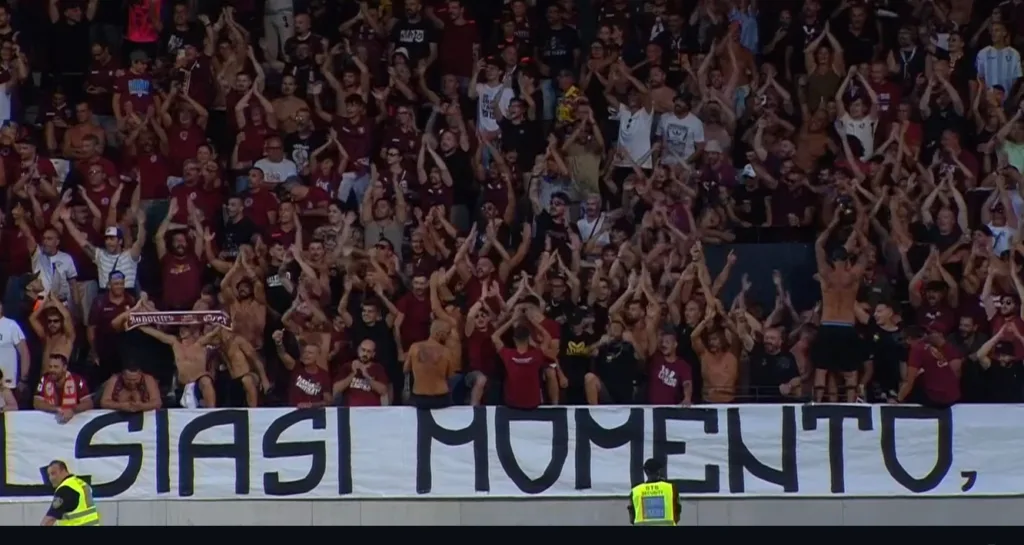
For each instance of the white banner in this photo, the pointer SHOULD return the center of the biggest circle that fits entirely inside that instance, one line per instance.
(396, 452)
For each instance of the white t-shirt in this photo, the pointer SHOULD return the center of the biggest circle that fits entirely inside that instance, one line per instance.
(485, 96)
(276, 173)
(1000, 238)
(10, 336)
(60, 264)
(635, 135)
(863, 130)
(5, 102)
(588, 229)
(681, 135)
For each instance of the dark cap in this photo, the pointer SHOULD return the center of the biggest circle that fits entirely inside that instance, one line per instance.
(1004, 348)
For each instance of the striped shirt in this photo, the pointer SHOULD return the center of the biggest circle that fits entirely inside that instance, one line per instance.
(107, 263)
(998, 66)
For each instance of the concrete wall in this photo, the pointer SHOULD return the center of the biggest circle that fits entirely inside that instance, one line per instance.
(849, 512)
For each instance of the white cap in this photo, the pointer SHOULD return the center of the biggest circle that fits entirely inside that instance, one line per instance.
(748, 171)
(112, 232)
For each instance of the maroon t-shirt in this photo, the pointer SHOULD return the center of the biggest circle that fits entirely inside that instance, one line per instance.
(359, 393)
(151, 170)
(416, 324)
(103, 76)
(936, 375)
(103, 311)
(480, 352)
(183, 144)
(522, 377)
(940, 316)
(185, 275)
(455, 50)
(258, 206)
(666, 378)
(307, 384)
(137, 90)
(357, 139)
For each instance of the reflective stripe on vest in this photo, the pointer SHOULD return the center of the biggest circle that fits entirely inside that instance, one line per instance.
(85, 513)
(654, 504)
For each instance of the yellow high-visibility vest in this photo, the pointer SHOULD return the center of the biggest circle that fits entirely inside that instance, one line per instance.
(85, 513)
(654, 504)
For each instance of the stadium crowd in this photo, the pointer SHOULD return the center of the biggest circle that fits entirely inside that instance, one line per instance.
(312, 202)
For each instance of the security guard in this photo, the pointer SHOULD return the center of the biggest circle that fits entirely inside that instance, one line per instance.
(73, 504)
(655, 502)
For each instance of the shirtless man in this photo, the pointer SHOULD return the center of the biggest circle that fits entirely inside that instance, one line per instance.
(244, 299)
(287, 105)
(190, 355)
(245, 368)
(430, 363)
(837, 347)
(76, 138)
(643, 324)
(53, 324)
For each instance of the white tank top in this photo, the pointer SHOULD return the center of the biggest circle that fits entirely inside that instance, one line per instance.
(863, 130)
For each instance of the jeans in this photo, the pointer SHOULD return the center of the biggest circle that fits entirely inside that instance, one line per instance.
(352, 183)
(547, 88)
(109, 125)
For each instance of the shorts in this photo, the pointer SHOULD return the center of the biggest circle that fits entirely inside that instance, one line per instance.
(430, 402)
(618, 394)
(837, 348)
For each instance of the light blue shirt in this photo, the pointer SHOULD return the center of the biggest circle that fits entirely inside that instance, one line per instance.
(748, 27)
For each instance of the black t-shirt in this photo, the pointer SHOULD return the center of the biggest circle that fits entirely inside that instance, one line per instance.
(278, 298)
(173, 39)
(463, 186)
(769, 371)
(858, 48)
(559, 310)
(750, 204)
(801, 34)
(616, 365)
(312, 40)
(65, 500)
(298, 148)
(1005, 382)
(574, 351)
(416, 37)
(382, 336)
(234, 234)
(70, 48)
(522, 137)
(556, 46)
(887, 350)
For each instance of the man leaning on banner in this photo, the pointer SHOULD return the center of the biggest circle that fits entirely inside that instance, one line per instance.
(655, 502)
(73, 504)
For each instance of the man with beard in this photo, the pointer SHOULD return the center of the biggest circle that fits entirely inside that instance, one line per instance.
(1003, 370)
(60, 391)
(365, 382)
(131, 391)
(372, 326)
(300, 144)
(574, 354)
(616, 368)
(775, 377)
(239, 227)
(429, 365)
(933, 366)
(414, 34)
(57, 333)
(413, 325)
(190, 347)
(181, 271)
(642, 322)
(681, 133)
(244, 299)
(669, 377)
(380, 219)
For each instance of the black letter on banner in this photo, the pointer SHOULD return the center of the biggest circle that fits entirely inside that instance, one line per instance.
(272, 483)
(588, 431)
(163, 451)
(558, 418)
(85, 449)
(428, 430)
(344, 431)
(237, 449)
(944, 418)
(740, 457)
(835, 414)
(13, 490)
(663, 447)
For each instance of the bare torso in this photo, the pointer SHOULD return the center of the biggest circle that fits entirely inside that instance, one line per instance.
(839, 295)
(249, 319)
(190, 359)
(59, 344)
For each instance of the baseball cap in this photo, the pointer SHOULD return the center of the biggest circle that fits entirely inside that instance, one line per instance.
(404, 51)
(112, 232)
(138, 56)
(748, 172)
